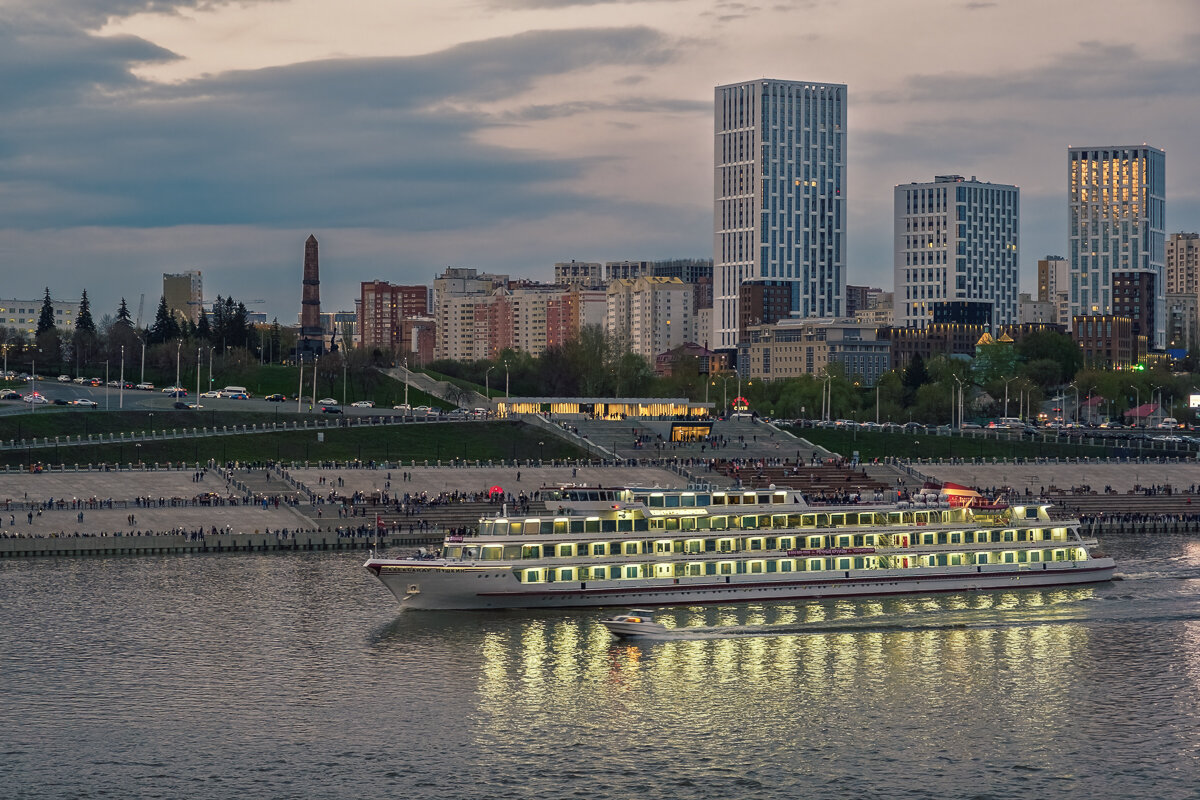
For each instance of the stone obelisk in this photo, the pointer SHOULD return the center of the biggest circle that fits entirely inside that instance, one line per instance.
(312, 334)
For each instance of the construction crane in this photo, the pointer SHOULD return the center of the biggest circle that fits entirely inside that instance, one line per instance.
(141, 304)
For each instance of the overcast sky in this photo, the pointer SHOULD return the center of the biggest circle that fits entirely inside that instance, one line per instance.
(146, 136)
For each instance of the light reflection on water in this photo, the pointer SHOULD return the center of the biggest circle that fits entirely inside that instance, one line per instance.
(294, 676)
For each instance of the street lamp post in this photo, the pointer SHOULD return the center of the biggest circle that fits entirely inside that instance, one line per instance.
(178, 350)
(958, 380)
(406, 381)
(198, 351)
(121, 380)
(343, 380)
(1137, 397)
(487, 384)
(1076, 388)
(1007, 381)
(506, 395)
(107, 394)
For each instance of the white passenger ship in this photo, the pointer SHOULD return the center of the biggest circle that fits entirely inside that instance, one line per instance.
(630, 547)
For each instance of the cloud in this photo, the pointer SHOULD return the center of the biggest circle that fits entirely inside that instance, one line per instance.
(544, 4)
(351, 142)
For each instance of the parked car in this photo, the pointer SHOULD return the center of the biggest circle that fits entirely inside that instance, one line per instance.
(146, 387)
(10, 396)
(331, 410)
(363, 404)
(403, 407)
(421, 410)
(275, 398)
(85, 402)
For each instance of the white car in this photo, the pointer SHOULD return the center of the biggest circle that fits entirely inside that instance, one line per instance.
(422, 410)
(35, 398)
(327, 401)
(172, 389)
(405, 407)
(362, 404)
(64, 378)
(146, 387)
(83, 401)
(211, 394)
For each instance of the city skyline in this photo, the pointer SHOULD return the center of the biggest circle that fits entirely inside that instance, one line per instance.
(507, 135)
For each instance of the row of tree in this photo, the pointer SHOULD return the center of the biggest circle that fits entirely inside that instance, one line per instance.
(86, 342)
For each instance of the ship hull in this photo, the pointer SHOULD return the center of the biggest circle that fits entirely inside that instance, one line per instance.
(434, 586)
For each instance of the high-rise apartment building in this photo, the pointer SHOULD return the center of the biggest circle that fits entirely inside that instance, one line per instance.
(1183, 263)
(1054, 281)
(455, 293)
(184, 293)
(580, 273)
(779, 190)
(382, 309)
(956, 241)
(649, 315)
(1116, 216)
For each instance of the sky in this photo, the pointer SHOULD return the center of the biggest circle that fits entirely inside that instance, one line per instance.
(139, 137)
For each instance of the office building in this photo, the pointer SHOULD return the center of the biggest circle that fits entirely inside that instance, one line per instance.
(22, 315)
(779, 188)
(1116, 216)
(955, 240)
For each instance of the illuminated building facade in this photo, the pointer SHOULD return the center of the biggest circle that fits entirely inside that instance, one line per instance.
(956, 240)
(1116, 218)
(779, 191)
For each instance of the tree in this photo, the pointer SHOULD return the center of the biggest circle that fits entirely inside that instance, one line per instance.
(203, 331)
(123, 317)
(1054, 346)
(46, 319)
(84, 321)
(915, 376)
(165, 328)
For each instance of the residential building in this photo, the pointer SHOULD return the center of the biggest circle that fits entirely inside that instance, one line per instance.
(1031, 310)
(878, 312)
(1116, 217)
(1054, 281)
(796, 346)
(707, 362)
(956, 240)
(649, 315)
(779, 210)
(582, 273)
(962, 312)
(22, 315)
(184, 293)
(382, 308)
(1133, 297)
(1183, 328)
(455, 293)
(1183, 263)
(570, 311)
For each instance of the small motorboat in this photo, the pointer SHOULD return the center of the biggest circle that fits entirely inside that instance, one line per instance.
(638, 622)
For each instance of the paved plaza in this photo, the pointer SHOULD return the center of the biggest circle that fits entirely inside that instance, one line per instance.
(1122, 477)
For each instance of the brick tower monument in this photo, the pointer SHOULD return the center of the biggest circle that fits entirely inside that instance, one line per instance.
(312, 341)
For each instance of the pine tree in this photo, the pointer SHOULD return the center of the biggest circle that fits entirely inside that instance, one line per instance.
(123, 317)
(165, 328)
(46, 319)
(203, 331)
(84, 321)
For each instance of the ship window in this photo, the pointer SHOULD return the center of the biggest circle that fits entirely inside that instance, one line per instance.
(512, 551)
(655, 501)
(630, 548)
(532, 576)
(672, 523)
(816, 564)
(514, 528)
(858, 540)
(981, 558)
(703, 500)
(725, 545)
(631, 571)
(625, 525)
(726, 567)
(750, 522)
(843, 541)
(956, 537)
(566, 574)
(720, 523)
(688, 523)
(1035, 555)
(754, 543)
(843, 563)
(786, 542)
(815, 542)
(710, 568)
(786, 565)
(756, 566)
(859, 562)
(576, 526)
(547, 526)
(591, 525)
(672, 501)
(688, 501)
(608, 526)
(565, 550)
(1009, 536)
(454, 552)
(562, 526)
(695, 569)
(1009, 557)
(662, 546)
(531, 551)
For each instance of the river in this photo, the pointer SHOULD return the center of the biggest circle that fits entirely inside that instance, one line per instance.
(296, 676)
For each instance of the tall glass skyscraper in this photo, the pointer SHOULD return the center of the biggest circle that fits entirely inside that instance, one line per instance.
(1116, 223)
(779, 191)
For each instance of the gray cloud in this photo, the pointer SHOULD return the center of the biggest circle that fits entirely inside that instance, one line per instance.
(541, 4)
(355, 142)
